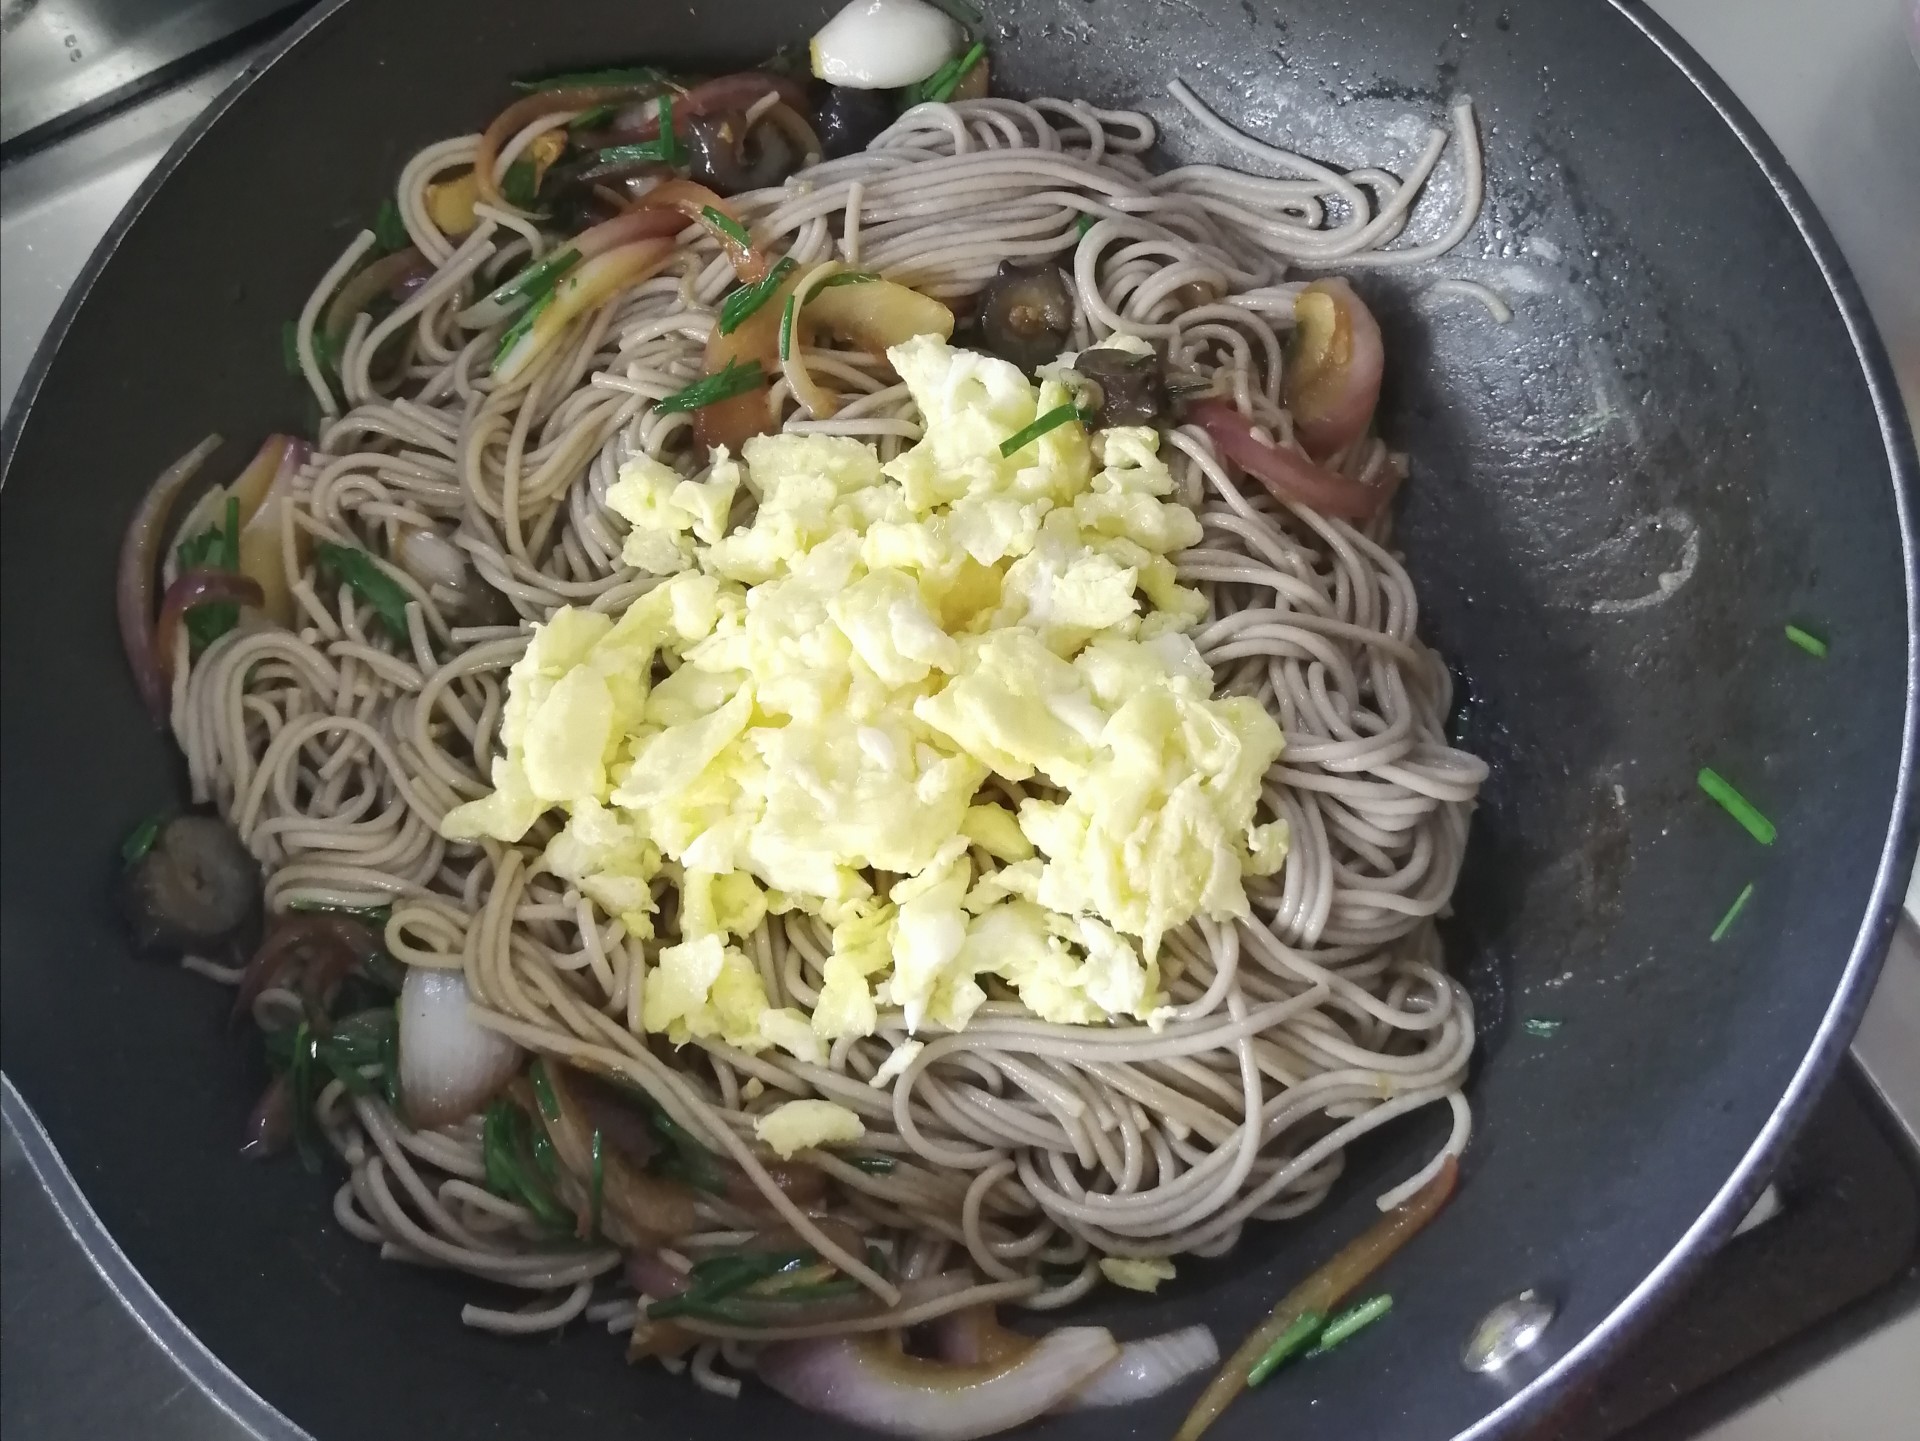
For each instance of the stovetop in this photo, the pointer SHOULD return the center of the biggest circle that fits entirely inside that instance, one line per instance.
(91, 95)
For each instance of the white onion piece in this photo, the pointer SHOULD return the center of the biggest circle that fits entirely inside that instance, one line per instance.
(430, 558)
(865, 1381)
(1146, 1368)
(450, 1065)
(884, 44)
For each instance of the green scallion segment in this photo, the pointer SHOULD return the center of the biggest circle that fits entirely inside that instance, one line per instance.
(357, 570)
(513, 1170)
(1085, 223)
(389, 230)
(1354, 1318)
(326, 354)
(871, 1164)
(735, 309)
(726, 225)
(786, 326)
(734, 379)
(845, 277)
(1811, 644)
(940, 85)
(1052, 420)
(592, 119)
(543, 1091)
(1286, 1346)
(664, 149)
(634, 75)
(517, 331)
(215, 548)
(521, 185)
(536, 281)
(141, 838)
(1733, 913)
(1737, 806)
(598, 1187)
(1541, 1026)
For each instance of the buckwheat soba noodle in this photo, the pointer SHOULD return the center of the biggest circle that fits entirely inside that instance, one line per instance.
(336, 655)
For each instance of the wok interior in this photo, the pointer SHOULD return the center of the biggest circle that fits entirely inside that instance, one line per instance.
(1641, 401)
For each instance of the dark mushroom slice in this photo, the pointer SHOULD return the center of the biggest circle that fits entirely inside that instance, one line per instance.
(197, 891)
(850, 120)
(731, 156)
(1132, 388)
(1026, 314)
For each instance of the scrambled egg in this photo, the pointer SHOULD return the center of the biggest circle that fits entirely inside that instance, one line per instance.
(802, 1125)
(811, 708)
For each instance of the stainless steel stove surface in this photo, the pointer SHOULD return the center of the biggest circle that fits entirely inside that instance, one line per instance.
(91, 96)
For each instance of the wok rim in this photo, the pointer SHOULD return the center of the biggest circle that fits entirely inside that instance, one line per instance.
(1535, 1397)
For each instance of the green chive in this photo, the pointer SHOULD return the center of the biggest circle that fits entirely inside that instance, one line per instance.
(786, 326)
(726, 225)
(1733, 913)
(389, 230)
(1290, 1342)
(521, 185)
(1354, 1318)
(749, 298)
(517, 332)
(635, 75)
(1052, 420)
(141, 838)
(592, 119)
(940, 85)
(599, 1185)
(1737, 806)
(535, 281)
(735, 379)
(290, 346)
(845, 277)
(1541, 1027)
(664, 149)
(1086, 223)
(1811, 644)
(872, 1165)
(358, 571)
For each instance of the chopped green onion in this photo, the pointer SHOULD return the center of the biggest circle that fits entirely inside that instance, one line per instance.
(845, 277)
(513, 1172)
(521, 185)
(786, 326)
(635, 75)
(1085, 223)
(1811, 644)
(1285, 1346)
(592, 119)
(358, 571)
(599, 1185)
(1052, 420)
(940, 85)
(664, 149)
(1733, 913)
(389, 230)
(543, 1091)
(517, 332)
(872, 1165)
(1737, 806)
(734, 379)
(141, 838)
(1541, 1027)
(726, 224)
(749, 298)
(1354, 1318)
(326, 354)
(536, 281)
(215, 548)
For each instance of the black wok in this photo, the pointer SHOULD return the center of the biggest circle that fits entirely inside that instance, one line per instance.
(1690, 367)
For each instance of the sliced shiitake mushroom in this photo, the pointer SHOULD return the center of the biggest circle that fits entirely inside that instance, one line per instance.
(1131, 387)
(1025, 314)
(197, 891)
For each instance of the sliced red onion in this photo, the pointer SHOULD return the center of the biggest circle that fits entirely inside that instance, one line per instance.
(1288, 474)
(270, 1123)
(1334, 367)
(325, 948)
(430, 558)
(133, 592)
(194, 588)
(450, 1065)
(653, 1277)
(1146, 1368)
(865, 1381)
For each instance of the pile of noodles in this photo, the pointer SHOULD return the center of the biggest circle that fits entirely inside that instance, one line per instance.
(1022, 1150)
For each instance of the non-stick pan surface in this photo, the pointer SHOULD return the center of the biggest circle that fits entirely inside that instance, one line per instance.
(1688, 388)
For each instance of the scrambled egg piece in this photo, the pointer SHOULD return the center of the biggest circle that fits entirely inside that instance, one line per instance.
(1141, 1275)
(804, 1125)
(809, 709)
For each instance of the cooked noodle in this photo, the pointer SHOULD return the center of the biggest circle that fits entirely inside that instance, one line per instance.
(1029, 1150)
